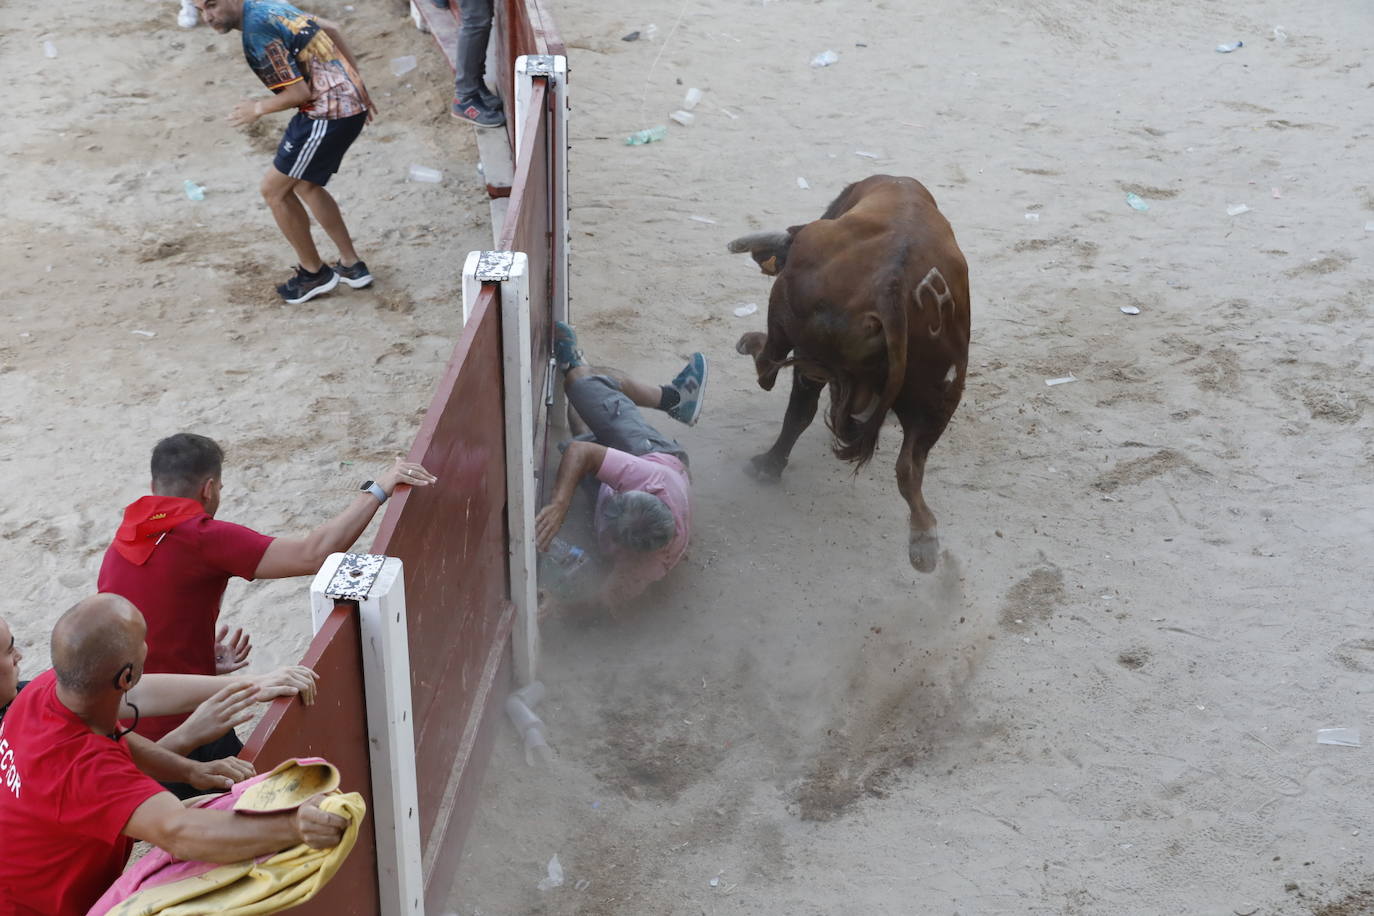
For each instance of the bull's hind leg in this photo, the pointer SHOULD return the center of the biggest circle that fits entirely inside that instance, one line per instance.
(923, 545)
(801, 410)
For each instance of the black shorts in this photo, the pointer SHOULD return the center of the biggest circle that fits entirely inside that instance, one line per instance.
(312, 148)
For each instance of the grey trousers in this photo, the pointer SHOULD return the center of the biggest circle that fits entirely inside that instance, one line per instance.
(475, 16)
(614, 420)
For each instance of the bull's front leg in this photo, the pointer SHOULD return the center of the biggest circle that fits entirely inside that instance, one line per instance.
(923, 545)
(801, 410)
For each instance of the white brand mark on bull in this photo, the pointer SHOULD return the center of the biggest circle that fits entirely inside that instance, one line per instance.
(943, 297)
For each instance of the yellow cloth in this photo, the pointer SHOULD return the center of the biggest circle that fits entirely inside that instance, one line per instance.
(253, 888)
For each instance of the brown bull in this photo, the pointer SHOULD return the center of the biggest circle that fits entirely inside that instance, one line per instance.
(872, 300)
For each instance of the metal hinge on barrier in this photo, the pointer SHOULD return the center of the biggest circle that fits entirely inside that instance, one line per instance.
(352, 581)
(494, 266)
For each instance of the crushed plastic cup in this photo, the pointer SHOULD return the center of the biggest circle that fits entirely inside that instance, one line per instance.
(746, 310)
(1137, 202)
(193, 191)
(647, 135)
(49, 50)
(803, 183)
(683, 117)
(691, 99)
(425, 174)
(1229, 47)
(1369, 226)
(1237, 209)
(555, 875)
(1340, 737)
(400, 66)
(1279, 34)
(1032, 217)
(825, 59)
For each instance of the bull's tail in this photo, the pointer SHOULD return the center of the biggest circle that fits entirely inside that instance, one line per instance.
(856, 412)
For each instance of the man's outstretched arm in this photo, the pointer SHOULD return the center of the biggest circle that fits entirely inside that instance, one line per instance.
(579, 460)
(304, 556)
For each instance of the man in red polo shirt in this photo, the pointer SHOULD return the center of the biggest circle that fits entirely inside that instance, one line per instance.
(72, 801)
(172, 558)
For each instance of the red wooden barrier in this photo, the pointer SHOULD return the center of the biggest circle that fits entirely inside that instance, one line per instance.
(334, 728)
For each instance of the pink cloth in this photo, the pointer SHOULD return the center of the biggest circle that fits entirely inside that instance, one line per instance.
(665, 477)
(158, 867)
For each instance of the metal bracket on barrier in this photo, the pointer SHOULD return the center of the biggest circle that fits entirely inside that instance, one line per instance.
(353, 578)
(542, 65)
(488, 267)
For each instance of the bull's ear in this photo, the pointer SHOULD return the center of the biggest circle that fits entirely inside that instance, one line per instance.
(768, 265)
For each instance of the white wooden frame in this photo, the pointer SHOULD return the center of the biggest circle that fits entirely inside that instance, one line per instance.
(511, 270)
(377, 584)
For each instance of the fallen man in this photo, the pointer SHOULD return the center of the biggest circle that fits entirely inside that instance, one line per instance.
(642, 516)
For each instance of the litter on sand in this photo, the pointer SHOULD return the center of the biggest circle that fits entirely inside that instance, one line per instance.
(803, 183)
(425, 174)
(1340, 737)
(1137, 202)
(1130, 310)
(144, 333)
(400, 66)
(1237, 209)
(1062, 380)
(1229, 47)
(555, 878)
(864, 154)
(825, 59)
(1032, 217)
(1369, 226)
(683, 117)
(747, 309)
(702, 219)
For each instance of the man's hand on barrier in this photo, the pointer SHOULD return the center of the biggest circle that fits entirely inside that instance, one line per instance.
(291, 681)
(219, 775)
(231, 651)
(230, 707)
(404, 472)
(318, 828)
(548, 523)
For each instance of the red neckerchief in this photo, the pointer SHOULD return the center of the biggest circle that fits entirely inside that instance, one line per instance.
(147, 519)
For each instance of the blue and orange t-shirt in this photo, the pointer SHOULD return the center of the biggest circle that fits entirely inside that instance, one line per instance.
(285, 45)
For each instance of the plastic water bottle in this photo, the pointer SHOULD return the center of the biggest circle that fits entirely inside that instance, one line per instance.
(648, 135)
(567, 557)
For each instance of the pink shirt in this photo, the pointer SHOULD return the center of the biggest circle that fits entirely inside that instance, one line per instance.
(665, 477)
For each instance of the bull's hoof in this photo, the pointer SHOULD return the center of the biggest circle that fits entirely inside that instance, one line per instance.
(924, 550)
(765, 468)
(751, 344)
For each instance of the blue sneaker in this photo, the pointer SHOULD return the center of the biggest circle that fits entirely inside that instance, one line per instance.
(565, 350)
(691, 390)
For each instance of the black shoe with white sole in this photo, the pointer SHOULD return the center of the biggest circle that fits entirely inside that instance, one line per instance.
(356, 276)
(305, 286)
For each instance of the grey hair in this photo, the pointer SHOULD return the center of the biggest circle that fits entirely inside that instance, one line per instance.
(639, 521)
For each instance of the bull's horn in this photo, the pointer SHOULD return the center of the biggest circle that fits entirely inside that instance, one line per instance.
(756, 240)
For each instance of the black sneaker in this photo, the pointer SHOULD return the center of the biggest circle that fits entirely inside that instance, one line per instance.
(474, 112)
(356, 276)
(305, 286)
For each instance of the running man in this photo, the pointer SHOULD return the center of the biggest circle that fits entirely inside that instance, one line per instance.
(304, 60)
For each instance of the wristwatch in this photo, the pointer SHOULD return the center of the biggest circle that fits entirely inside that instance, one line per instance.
(372, 487)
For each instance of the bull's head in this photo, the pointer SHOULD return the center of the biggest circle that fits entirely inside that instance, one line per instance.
(768, 249)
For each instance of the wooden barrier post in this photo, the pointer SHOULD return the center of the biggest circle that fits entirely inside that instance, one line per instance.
(511, 270)
(376, 584)
(553, 69)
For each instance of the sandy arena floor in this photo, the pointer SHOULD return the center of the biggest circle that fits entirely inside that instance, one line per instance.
(1156, 586)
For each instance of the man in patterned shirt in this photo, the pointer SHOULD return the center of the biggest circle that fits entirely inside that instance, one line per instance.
(304, 60)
